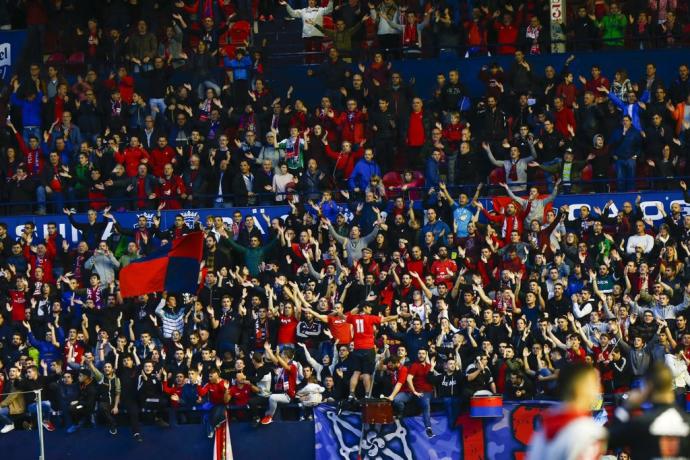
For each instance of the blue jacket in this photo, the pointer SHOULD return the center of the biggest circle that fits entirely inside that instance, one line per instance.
(240, 68)
(632, 110)
(362, 173)
(439, 229)
(625, 147)
(330, 210)
(31, 110)
(432, 173)
(46, 350)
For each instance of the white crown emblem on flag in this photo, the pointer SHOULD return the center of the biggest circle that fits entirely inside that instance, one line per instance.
(189, 217)
(147, 215)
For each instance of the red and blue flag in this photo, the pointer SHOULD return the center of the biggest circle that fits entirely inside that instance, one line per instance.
(174, 267)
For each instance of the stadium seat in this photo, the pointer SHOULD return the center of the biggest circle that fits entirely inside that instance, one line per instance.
(497, 176)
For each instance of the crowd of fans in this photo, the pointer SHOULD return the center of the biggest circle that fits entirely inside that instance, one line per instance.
(464, 300)
(160, 114)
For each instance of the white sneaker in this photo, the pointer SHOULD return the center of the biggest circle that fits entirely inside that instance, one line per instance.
(7, 428)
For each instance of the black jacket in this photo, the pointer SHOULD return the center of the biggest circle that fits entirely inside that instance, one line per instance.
(447, 385)
(88, 395)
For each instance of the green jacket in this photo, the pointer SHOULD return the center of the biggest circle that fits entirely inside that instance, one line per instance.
(342, 41)
(575, 173)
(613, 29)
(252, 256)
(82, 176)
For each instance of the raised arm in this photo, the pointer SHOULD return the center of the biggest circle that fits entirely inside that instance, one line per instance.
(492, 159)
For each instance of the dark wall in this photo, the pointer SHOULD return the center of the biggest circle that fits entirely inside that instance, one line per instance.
(424, 71)
(293, 440)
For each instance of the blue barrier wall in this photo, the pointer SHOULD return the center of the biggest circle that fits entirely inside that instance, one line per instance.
(287, 440)
(128, 219)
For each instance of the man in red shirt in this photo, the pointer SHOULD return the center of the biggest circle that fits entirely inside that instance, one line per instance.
(287, 324)
(340, 329)
(398, 374)
(364, 354)
(171, 189)
(132, 156)
(240, 394)
(162, 155)
(418, 132)
(418, 386)
(286, 383)
(444, 269)
(218, 391)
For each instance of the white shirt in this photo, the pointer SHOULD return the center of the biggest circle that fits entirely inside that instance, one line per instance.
(681, 378)
(315, 15)
(646, 241)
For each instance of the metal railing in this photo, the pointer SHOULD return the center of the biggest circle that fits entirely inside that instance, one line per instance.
(419, 194)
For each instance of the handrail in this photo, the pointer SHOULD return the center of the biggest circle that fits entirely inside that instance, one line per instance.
(628, 43)
(266, 198)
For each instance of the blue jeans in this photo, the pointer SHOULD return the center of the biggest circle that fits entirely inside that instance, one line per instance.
(452, 408)
(144, 67)
(222, 204)
(33, 409)
(158, 103)
(625, 174)
(214, 417)
(57, 199)
(4, 416)
(403, 398)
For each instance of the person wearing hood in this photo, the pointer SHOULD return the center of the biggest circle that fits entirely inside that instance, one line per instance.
(81, 410)
(600, 162)
(569, 170)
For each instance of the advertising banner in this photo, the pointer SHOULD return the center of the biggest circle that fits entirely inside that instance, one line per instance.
(649, 204)
(500, 438)
(11, 48)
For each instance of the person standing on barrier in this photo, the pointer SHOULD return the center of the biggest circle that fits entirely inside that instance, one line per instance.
(32, 383)
(128, 374)
(626, 146)
(286, 383)
(109, 392)
(364, 354)
(82, 409)
(218, 392)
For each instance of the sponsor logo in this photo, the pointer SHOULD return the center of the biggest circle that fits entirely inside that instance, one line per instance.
(5, 59)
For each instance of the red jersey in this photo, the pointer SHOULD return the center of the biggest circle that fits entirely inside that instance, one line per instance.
(18, 303)
(287, 331)
(78, 350)
(287, 380)
(575, 356)
(215, 391)
(440, 269)
(240, 395)
(400, 376)
(419, 372)
(340, 329)
(364, 330)
(172, 390)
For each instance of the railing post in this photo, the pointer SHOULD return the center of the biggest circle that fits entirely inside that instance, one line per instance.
(39, 416)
